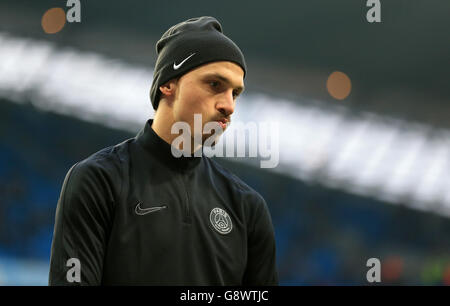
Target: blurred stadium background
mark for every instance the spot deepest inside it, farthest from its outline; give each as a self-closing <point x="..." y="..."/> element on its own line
<point x="361" y="176"/>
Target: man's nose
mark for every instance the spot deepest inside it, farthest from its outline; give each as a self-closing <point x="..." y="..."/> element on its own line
<point x="226" y="104"/>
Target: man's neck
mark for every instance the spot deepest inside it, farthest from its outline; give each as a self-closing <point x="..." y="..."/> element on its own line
<point x="162" y="125"/>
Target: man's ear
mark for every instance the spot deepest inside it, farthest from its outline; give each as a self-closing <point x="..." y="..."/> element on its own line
<point x="168" y="88"/>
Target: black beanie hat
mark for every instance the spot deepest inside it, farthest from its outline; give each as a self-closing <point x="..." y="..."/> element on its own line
<point x="189" y="44"/>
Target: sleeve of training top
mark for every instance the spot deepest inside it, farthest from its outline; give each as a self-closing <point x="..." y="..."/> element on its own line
<point x="82" y="225"/>
<point x="261" y="263"/>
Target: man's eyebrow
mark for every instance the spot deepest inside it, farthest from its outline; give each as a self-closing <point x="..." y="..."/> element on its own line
<point x="224" y="79"/>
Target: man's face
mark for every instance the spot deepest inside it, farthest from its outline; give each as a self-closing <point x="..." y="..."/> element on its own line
<point x="210" y="90"/>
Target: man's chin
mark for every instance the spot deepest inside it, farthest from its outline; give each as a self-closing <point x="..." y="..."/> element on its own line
<point x="210" y="140"/>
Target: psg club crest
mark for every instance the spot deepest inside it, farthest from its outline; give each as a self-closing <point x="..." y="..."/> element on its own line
<point x="221" y="221"/>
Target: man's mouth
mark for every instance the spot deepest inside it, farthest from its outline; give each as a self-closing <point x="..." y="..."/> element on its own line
<point x="223" y="123"/>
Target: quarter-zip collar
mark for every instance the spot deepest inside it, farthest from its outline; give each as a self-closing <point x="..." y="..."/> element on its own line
<point x="162" y="150"/>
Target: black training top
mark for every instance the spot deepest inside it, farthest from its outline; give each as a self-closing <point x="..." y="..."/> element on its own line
<point x="134" y="214"/>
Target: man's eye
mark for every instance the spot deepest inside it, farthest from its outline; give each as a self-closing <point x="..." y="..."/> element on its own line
<point x="214" y="83"/>
<point x="235" y="94"/>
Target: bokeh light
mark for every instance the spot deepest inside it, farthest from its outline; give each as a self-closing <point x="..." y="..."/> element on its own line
<point x="339" y="85"/>
<point x="53" y="20"/>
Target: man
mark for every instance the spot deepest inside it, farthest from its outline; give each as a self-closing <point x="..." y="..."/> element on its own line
<point x="136" y="214"/>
